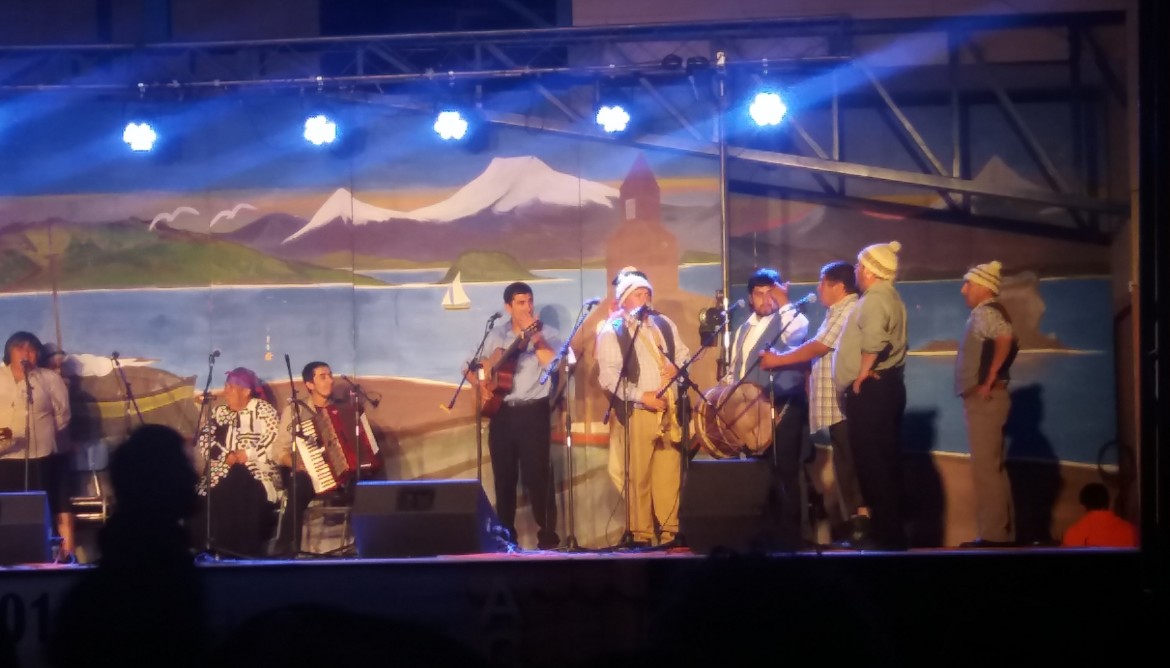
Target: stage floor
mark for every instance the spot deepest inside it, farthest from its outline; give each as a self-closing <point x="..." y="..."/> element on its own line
<point x="936" y="606"/>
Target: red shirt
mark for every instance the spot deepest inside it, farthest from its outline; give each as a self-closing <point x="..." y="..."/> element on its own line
<point x="1101" y="528"/>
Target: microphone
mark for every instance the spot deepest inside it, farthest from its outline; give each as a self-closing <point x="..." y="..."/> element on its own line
<point x="804" y="301"/>
<point x="26" y="365"/>
<point x="592" y="302"/>
<point x="491" y="321"/>
<point x="737" y="304"/>
<point x="114" y="355"/>
<point x="642" y="311"/>
<point x="215" y="353"/>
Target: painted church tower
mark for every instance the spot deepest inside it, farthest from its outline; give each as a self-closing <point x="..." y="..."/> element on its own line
<point x="641" y="239"/>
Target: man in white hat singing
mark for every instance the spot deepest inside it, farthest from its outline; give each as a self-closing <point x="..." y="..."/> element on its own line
<point x="986" y="352"/>
<point x="867" y="370"/>
<point x="648" y="472"/>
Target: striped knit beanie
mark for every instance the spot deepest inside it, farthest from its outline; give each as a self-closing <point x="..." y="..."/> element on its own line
<point x="881" y="259"/>
<point x="986" y="275"/>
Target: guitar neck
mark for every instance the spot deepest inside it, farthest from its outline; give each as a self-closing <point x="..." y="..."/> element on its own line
<point x="506" y="356"/>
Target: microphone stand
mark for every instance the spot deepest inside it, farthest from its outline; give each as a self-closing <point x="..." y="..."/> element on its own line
<point x="756" y="362"/>
<point x="623" y="382"/>
<point x="129" y="392"/>
<point x="292" y="476"/>
<point x="564" y="400"/>
<point x="358" y="397"/>
<point x="203" y="406"/>
<point x="28" y="422"/>
<point x="476" y="367"/>
<point x="683" y="377"/>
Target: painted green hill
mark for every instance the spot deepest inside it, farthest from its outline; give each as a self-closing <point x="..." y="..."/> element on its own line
<point x="128" y="255"/>
<point x="487" y="266"/>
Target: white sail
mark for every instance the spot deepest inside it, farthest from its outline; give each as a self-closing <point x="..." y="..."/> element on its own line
<point x="455" y="298"/>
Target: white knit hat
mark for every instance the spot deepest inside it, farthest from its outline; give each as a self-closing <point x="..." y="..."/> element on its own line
<point x="986" y="275"/>
<point x="627" y="283"/>
<point x="881" y="259"/>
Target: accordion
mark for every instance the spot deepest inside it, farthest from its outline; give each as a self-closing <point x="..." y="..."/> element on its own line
<point x="325" y="463"/>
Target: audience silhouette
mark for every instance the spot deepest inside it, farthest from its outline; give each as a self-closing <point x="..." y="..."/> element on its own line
<point x="142" y="604"/>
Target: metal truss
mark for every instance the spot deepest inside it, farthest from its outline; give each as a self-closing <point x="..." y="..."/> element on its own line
<point x="683" y="75"/>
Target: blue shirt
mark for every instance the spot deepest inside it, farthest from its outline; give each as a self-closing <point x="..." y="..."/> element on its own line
<point x="526" y="381"/>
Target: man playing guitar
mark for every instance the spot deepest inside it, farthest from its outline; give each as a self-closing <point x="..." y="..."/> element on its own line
<point x="518" y="405"/>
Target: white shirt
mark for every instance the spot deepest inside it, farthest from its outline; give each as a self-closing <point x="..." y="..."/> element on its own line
<point x="50" y="414"/>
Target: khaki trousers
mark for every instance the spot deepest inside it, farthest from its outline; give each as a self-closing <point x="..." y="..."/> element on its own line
<point x="993" y="492"/>
<point x="654" y="475"/>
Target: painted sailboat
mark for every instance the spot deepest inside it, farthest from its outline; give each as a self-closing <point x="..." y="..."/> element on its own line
<point x="455" y="298"/>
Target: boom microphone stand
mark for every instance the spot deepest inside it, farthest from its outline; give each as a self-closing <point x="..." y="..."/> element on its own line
<point x="566" y="413"/>
<point x="129" y="392"/>
<point x="476" y="366"/>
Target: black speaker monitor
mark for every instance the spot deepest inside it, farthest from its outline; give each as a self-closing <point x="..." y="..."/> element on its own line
<point x="728" y="504"/>
<point x="420" y="518"/>
<point x="24" y="528"/>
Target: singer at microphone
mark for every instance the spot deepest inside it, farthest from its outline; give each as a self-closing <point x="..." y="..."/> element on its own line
<point x="776" y="322"/>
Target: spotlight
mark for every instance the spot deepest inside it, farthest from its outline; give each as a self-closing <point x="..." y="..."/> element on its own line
<point x="139" y="136"/>
<point x="672" y="61"/>
<point x="613" y="118"/>
<point x="767" y="108"/>
<point x="696" y="64"/>
<point x="320" y="130"/>
<point x="451" y="126"/>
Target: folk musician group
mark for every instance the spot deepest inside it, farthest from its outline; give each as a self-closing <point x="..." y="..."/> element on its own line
<point x="263" y="467"/>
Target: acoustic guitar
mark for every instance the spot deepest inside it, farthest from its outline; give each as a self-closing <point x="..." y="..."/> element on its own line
<point x="501" y="365"/>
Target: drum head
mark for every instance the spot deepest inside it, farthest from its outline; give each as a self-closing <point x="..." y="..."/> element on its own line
<point x="733" y="420"/>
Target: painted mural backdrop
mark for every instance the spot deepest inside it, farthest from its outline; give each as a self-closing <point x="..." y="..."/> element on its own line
<point x="387" y="264"/>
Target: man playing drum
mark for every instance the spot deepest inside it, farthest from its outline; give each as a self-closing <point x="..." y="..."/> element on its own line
<point x="776" y="323"/>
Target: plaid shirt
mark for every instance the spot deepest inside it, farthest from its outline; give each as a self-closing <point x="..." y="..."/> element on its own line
<point x="824" y="408"/>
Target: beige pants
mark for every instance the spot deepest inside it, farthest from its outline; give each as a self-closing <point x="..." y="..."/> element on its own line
<point x="993" y="491"/>
<point x="654" y="475"/>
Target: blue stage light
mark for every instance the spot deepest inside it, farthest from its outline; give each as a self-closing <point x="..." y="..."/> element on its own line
<point x="451" y="126"/>
<point x="768" y="108"/>
<point x="139" y="136"/>
<point x="320" y="130"/>
<point x="613" y="118"/>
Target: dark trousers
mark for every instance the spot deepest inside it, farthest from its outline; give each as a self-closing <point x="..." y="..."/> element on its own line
<point x="299" y="493"/>
<point x="786" y="457"/>
<point x="519" y="443"/>
<point x="874" y="419"/>
<point x="242" y="518"/>
<point x="845" y="470"/>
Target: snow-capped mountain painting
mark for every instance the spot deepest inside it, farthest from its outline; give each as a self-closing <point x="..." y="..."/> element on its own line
<point x="517" y="205"/>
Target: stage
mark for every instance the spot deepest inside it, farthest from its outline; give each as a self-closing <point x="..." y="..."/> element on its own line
<point x="929" y="606"/>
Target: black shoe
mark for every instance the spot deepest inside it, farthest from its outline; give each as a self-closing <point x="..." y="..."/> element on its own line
<point x="982" y="543"/>
<point x="549" y="544"/>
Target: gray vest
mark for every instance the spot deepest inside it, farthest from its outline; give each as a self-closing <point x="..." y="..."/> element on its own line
<point x="633" y="370"/>
<point x="974" y="358"/>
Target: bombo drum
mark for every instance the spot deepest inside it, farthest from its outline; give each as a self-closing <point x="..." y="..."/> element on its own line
<point x="733" y="420"/>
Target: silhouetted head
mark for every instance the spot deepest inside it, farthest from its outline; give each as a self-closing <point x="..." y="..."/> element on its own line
<point x="1094" y="496"/>
<point x="152" y="474"/>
